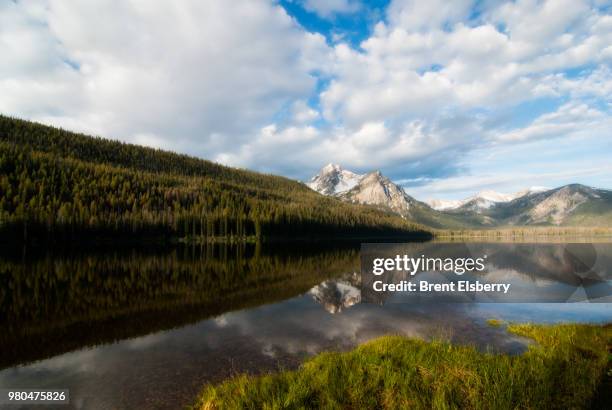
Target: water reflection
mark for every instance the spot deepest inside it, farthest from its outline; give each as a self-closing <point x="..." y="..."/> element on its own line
<point x="535" y="272"/>
<point x="50" y="304"/>
<point x="138" y="330"/>
<point x="338" y="294"/>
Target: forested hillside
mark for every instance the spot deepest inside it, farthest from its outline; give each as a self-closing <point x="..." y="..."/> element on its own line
<point x="56" y="184"/>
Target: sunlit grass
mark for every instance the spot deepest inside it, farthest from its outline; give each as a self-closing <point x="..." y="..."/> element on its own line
<point x="561" y="370"/>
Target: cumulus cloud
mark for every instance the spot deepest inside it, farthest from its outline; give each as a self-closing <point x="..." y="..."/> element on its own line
<point x="416" y="146"/>
<point x="436" y="60"/>
<point x="408" y="65"/>
<point x="193" y="76"/>
<point x="302" y="113"/>
<point x="594" y="84"/>
<point x="248" y="85"/>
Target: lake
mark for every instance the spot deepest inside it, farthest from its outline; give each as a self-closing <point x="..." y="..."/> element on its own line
<point x="148" y="327"/>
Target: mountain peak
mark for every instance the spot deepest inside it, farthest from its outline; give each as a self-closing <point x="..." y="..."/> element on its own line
<point x="578" y="187"/>
<point x="332" y="179"/>
<point x="372" y="188"/>
<point x="529" y="191"/>
<point x="493" y="196"/>
<point x="377" y="175"/>
<point x="483" y="199"/>
<point x="331" y="167"/>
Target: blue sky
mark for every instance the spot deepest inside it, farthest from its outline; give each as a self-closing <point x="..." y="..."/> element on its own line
<point x="447" y="98"/>
<point x="352" y="26"/>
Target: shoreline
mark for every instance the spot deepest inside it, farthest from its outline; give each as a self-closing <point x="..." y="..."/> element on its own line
<point x="567" y="366"/>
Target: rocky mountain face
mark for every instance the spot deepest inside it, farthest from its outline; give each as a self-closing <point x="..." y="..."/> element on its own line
<point x="560" y="204"/>
<point x="568" y="205"/>
<point x="575" y="204"/>
<point x="372" y="188"/>
<point x="376" y="189"/>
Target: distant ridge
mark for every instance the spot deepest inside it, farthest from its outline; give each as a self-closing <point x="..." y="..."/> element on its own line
<point x="482" y="200"/>
<point x="569" y="205"/>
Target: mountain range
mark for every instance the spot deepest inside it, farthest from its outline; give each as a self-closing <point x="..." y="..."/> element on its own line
<point x="569" y="205"/>
<point x="59" y="185"/>
<point x="481" y="200"/>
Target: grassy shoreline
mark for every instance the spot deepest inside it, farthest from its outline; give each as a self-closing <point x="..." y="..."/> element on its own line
<point x="518" y="233"/>
<point x="563" y="369"/>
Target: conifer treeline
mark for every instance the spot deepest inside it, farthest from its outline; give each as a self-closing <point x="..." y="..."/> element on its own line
<point x="57" y="184"/>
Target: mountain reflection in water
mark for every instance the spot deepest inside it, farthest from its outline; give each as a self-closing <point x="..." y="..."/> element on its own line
<point x="146" y="329"/>
<point x="338" y="294"/>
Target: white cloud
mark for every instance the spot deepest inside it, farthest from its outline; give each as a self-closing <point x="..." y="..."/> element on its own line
<point x="274" y="149"/>
<point x="465" y="185"/>
<point x="597" y="83"/>
<point x="201" y="76"/>
<point x="409" y="70"/>
<point x="566" y="121"/>
<point x="433" y="82"/>
<point x="431" y="61"/>
<point x="302" y="113"/>
<point x="541" y="22"/>
<point x="373" y="145"/>
<point x="329" y="8"/>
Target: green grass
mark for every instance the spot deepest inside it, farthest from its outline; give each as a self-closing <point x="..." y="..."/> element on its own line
<point x="561" y="370"/>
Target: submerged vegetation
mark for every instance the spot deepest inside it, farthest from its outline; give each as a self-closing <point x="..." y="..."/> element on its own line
<point x="56" y="184"/>
<point x="562" y="369"/>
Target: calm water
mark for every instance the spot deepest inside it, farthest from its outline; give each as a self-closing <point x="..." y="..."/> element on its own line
<point x="147" y="329"/>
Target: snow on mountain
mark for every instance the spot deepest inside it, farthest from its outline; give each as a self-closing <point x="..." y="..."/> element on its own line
<point x="566" y="205"/>
<point x="485" y="200"/>
<point x="570" y="204"/>
<point x="372" y="188"/>
<point x="482" y="200"/>
<point x="444" y="204"/>
<point x="493" y="196"/>
<point x="332" y="179"/>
